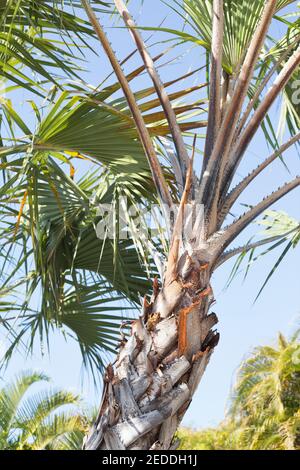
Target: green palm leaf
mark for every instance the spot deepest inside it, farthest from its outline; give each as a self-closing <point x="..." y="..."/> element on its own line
<point x="37" y="421"/>
<point x="39" y="36"/>
<point x="73" y="273"/>
<point x="11" y="397"/>
<point x="279" y="229"/>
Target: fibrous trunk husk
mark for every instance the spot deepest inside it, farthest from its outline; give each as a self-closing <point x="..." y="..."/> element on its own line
<point x="159" y="367"/>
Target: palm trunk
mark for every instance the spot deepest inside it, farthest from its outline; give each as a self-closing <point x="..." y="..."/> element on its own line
<point x="158" y="369"/>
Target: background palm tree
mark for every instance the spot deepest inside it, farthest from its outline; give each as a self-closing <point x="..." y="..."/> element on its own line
<point x="49" y="239"/>
<point x="265" y="404"/>
<point x="39" y="420"/>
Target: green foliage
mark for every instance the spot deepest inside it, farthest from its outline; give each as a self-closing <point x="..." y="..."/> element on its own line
<point x="240" y="18"/>
<point x="47" y="419"/>
<point x="279" y="229"/>
<point x="61" y="259"/>
<point x="40" y="38"/>
<point x="222" y="438"/>
<point x="264" y="411"/>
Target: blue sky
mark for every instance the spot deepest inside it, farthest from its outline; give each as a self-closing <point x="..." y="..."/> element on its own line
<point x="242" y="324"/>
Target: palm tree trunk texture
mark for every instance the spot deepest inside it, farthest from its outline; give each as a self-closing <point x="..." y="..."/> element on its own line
<point x="158" y="369"/>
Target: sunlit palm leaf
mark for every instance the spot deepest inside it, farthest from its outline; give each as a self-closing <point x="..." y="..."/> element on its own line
<point x="60" y="224"/>
<point x="36" y="421"/>
<point x="26" y="44"/>
<point x="280" y="229"/>
<point x="240" y="18"/>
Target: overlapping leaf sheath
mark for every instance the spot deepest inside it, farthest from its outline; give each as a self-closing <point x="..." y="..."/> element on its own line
<point x="159" y="368"/>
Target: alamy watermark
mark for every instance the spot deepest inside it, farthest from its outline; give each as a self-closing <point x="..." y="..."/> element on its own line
<point x="150" y="223"/>
<point x="296" y="93"/>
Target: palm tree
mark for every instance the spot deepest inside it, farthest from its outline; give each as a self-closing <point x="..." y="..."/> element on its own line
<point x="265" y="403"/>
<point x="266" y="398"/>
<point x="160" y="366"/>
<point x="39" y="420"/>
<point x="158" y="370"/>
